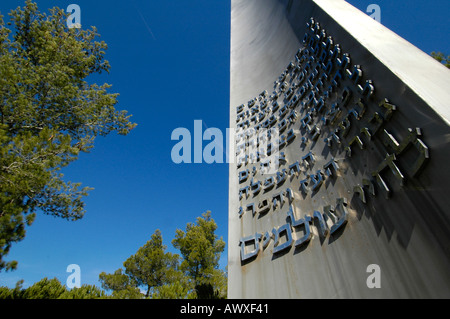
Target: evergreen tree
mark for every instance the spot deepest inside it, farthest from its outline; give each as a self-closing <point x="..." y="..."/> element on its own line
<point x="160" y="274"/>
<point x="49" y="113"/>
<point x="15" y="293"/>
<point x="51" y="289"/>
<point x="44" y="289"/>
<point x="151" y="268"/>
<point x="84" y="292"/>
<point x="200" y="248"/>
<point x="441" y="57"/>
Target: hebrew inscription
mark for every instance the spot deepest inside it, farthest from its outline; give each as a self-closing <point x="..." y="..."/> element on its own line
<point x="327" y="111"/>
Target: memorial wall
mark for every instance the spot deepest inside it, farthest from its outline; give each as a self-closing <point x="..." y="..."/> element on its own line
<point x="339" y="188"/>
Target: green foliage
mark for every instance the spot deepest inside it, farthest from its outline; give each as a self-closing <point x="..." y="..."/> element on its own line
<point x="44" y="289"/>
<point x="116" y="281"/>
<point x="49" y="113"/>
<point x="127" y="293"/>
<point x="122" y="286"/>
<point x="151" y="268"/>
<point x="441" y="57"/>
<point x="16" y="293"/>
<point x="51" y="289"/>
<point x="161" y="275"/>
<point x="84" y="292"/>
<point x="158" y="273"/>
<point x="201" y="250"/>
<point x="206" y="291"/>
<point x="174" y="290"/>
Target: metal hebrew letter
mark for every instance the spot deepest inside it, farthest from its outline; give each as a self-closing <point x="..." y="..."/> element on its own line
<point x="356" y="140"/>
<point x="367" y="132"/>
<point x="294" y="169"/>
<point x="255" y="187"/>
<point x="356" y="74"/>
<point x="335" y="52"/>
<point x="283" y="111"/>
<point x="308" y="160"/>
<point x="359" y="111"/>
<point x="304" y="184"/>
<point x="329" y="67"/>
<point x="323" y="228"/>
<point x="346" y="96"/>
<point x="243" y="191"/>
<point x="281" y="142"/>
<point x="331" y="164"/>
<point x="281" y="177"/>
<point x="377" y="121"/>
<point x="290" y="136"/>
<point x="275" y="106"/>
<point x="251" y="207"/>
<point x="360" y="190"/>
<point x="332" y="114"/>
<point x="382" y="184"/>
<point x="307" y="119"/>
<point x="264" y="167"/>
<point x="292" y="116"/>
<point x="307" y="236"/>
<point x="368" y="88"/>
<point x="390" y="108"/>
<point x="288" y="193"/>
<point x="314" y="131"/>
<point x="269" y="183"/>
<point x="243" y="175"/>
<point x="277" y="198"/>
<point x="243" y="160"/>
<point x="240" y="147"/>
<point x="318" y="106"/>
<point x="368" y="183"/>
<point x="411" y="140"/>
<point x="345" y="125"/>
<point x="341" y="220"/>
<point x="335" y="83"/>
<point x="266" y="239"/>
<point x="243" y="242"/>
<point x="344" y="61"/>
<point x="282" y="125"/>
<point x="264" y="206"/>
<point x="316" y="180"/>
<point x="388" y="162"/>
<point x="286" y="228"/>
<point x="297" y="223"/>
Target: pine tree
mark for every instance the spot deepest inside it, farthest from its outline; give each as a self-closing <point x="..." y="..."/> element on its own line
<point x="150" y="268"/>
<point x="49" y="113"/>
<point x="51" y="289"/>
<point x="441" y="57"/>
<point x="200" y="248"/>
<point x="161" y="276"/>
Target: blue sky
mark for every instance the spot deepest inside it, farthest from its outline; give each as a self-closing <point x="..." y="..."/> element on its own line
<point x="170" y="64"/>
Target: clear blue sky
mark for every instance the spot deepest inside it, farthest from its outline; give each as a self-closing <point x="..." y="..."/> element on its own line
<point x="170" y="64"/>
